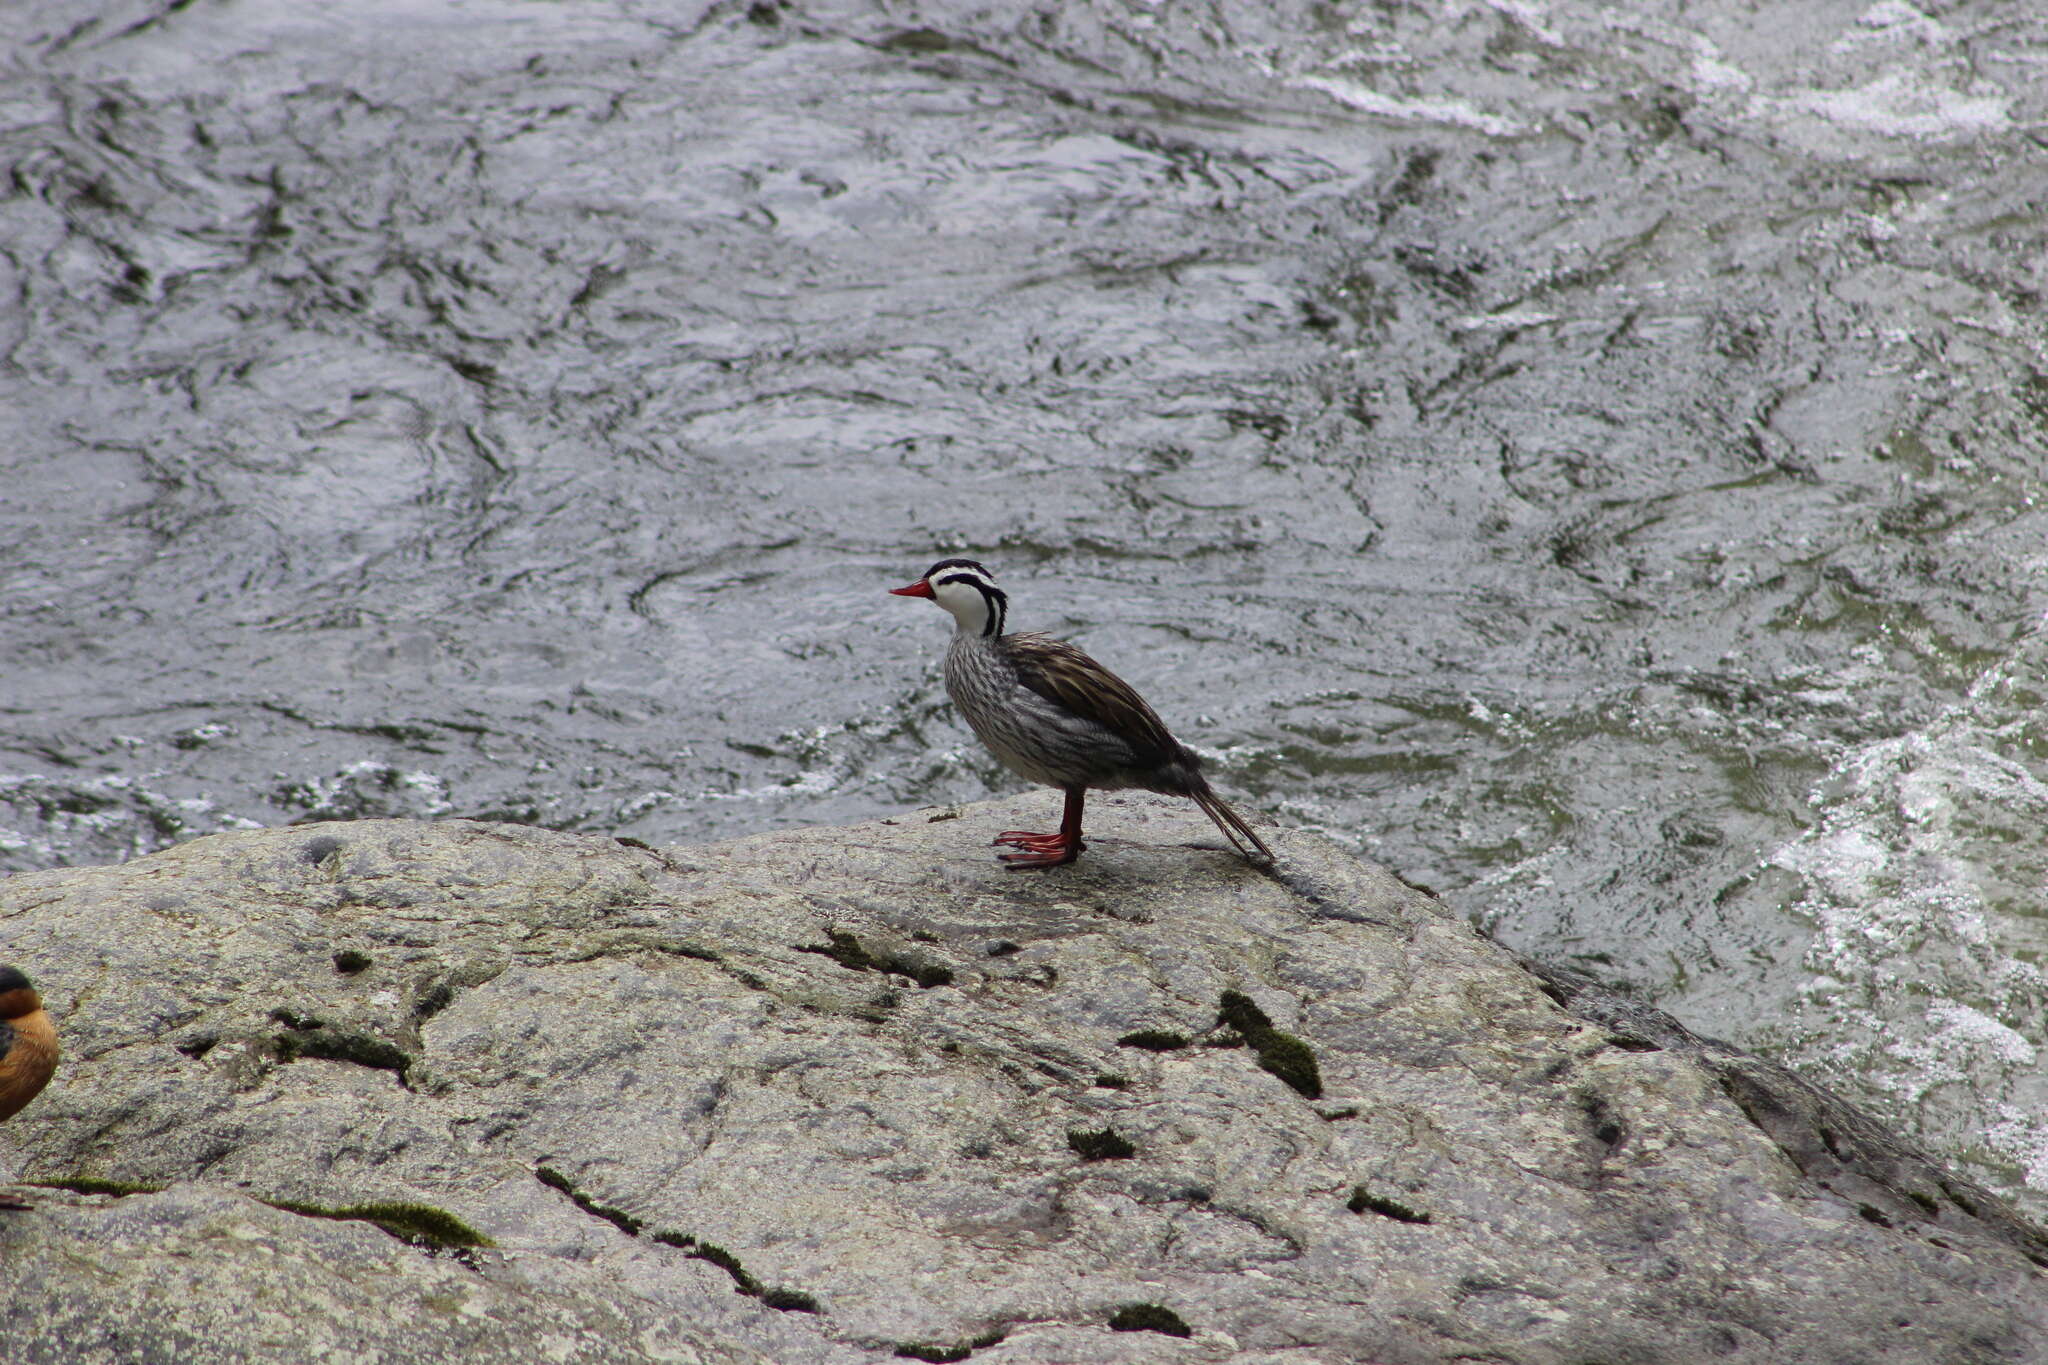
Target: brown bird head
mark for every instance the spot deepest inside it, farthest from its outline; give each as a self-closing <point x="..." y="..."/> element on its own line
<point x="28" y="1043"/>
<point x="17" y="997"/>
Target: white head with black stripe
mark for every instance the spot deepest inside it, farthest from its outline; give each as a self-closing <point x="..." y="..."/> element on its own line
<point x="966" y="589"/>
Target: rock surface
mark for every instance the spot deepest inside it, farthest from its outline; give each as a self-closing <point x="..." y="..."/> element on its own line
<point x="840" y="1095"/>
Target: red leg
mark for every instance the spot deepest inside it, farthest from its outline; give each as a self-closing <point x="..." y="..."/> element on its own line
<point x="1048" y="850"/>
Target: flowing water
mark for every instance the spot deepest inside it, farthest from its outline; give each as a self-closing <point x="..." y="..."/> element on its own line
<point x="1587" y="457"/>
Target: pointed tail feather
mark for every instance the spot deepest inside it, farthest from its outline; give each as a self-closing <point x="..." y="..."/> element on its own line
<point x="1233" y="826"/>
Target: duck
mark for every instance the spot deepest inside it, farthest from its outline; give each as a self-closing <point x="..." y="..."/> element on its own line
<point x="1053" y="715"/>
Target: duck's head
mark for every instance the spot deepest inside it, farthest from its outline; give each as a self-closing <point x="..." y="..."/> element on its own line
<point x="966" y="589"/>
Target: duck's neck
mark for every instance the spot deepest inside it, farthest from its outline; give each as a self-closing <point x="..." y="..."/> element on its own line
<point x="983" y="618"/>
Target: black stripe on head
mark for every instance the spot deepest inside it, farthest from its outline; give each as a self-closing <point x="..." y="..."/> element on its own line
<point x="13" y="979"/>
<point x="969" y="572"/>
<point x="935" y="570"/>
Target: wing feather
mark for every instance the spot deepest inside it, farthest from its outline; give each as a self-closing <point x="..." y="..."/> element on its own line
<point x="1066" y="676"/>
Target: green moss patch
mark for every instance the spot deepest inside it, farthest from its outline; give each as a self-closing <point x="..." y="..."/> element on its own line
<point x="433" y="1000"/>
<point x="1287" y="1057"/>
<point x="939" y="1355"/>
<point x="729" y="1263"/>
<point x="92" y="1184"/>
<point x="1101" y="1145"/>
<point x="356" y="1048"/>
<point x="1242" y="1013"/>
<point x="787" y="1300"/>
<point x="1363" y="1200"/>
<point x="306" y="1036"/>
<point x="1155" y="1040"/>
<point x="1281" y="1054"/>
<point x="847" y="951"/>
<point x="946" y="1355"/>
<point x="419" y="1224"/>
<point x="1149" y="1317"/>
<point x="618" y="1218"/>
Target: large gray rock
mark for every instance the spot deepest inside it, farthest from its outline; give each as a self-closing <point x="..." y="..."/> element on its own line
<point x="692" y="1095"/>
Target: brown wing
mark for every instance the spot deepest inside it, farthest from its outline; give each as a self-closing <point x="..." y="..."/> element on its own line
<point x="1067" y="677"/>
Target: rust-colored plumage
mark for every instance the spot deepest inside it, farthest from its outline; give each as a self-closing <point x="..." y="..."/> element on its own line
<point x="30" y="1042"/>
<point x="28" y="1050"/>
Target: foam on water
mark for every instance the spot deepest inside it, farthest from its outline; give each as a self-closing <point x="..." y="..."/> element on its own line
<point x="1454" y="113"/>
<point x="1923" y="881"/>
<point x="1892" y="74"/>
<point x="1898" y="104"/>
<point x="57" y="820"/>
